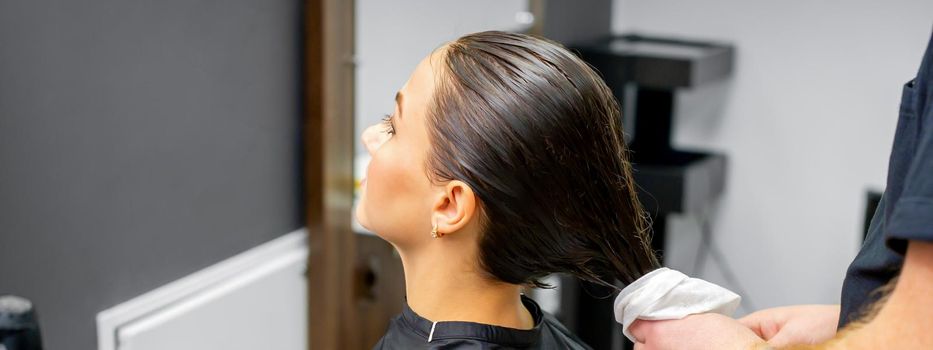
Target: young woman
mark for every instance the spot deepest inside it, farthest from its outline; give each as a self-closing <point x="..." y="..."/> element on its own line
<point x="502" y="163"/>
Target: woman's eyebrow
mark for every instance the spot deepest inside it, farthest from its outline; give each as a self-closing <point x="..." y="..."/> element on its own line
<point x="398" y="102"/>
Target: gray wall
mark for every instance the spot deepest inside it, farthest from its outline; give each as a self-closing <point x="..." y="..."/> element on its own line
<point x="139" y="142"/>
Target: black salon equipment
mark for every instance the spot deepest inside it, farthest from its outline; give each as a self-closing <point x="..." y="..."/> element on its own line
<point x="872" y="200"/>
<point x="19" y="326"/>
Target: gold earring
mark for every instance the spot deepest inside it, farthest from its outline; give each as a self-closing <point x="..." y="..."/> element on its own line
<point x="434" y="230"/>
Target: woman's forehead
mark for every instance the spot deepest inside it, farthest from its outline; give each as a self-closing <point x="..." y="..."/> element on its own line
<point x="419" y="88"/>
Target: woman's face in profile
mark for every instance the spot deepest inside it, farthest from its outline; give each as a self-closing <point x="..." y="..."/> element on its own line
<point x="396" y="194"/>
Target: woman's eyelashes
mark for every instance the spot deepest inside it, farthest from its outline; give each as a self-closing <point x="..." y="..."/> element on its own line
<point x="389" y="124"/>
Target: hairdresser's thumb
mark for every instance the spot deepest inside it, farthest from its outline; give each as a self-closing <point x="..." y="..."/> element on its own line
<point x="641" y="329"/>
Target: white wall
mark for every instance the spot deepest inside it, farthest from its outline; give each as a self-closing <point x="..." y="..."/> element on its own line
<point x="807" y="121"/>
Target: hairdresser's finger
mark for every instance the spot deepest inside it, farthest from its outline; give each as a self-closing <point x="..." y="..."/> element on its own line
<point x="640" y="329"/>
<point x="784" y="339"/>
<point x="763" y="323"/>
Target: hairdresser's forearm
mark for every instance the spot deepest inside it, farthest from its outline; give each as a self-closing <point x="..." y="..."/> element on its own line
<point x="905" y="321"/>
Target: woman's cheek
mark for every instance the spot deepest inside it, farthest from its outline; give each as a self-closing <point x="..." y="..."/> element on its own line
<point x="393" y="198"/>
<point x="378" y="191"/>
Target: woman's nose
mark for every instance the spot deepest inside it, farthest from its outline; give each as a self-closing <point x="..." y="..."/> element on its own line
<point x="374" y="137"/>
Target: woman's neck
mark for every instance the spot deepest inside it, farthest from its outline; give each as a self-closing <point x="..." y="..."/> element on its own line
<point x="442" y="284"/>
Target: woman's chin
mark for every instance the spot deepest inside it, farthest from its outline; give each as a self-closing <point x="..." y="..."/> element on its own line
<point x="360" y="216"/>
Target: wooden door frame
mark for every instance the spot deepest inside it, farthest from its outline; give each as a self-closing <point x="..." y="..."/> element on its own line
<point x="328" y="134"/>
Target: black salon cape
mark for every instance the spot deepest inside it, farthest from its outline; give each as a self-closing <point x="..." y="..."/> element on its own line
<point x="410" y="331"/>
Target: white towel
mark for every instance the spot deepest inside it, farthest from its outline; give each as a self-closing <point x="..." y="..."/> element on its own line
<point x="666" y="294"/>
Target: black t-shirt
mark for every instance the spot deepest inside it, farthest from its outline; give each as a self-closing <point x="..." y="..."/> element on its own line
<point x="905" y="212"/>
<point x="410" y="331"/>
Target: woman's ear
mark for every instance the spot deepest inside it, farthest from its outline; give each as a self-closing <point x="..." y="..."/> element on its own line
<point x="454" y="208"/>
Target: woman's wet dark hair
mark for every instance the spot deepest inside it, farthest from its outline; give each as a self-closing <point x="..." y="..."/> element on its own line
<point x="537" y="135"/>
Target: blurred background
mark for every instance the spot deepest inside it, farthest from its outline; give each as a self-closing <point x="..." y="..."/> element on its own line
<point x="164" y="165"/>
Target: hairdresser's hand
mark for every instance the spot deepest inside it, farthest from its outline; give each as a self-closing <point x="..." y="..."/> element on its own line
<point x="790" y="325"/>
<point x="703" y="331"/>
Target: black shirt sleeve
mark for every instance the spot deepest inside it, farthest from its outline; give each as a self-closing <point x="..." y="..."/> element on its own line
<point x="912" y="216"/>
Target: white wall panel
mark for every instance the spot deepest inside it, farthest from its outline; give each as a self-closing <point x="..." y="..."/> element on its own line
<point x="255" y="300"/>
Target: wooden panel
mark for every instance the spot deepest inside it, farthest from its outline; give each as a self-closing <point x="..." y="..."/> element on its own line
<point x="381" y="292"/>
<point x="328" y="135"/>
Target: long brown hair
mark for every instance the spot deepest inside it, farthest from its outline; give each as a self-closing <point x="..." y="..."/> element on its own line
<point x="537" y="135"/>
